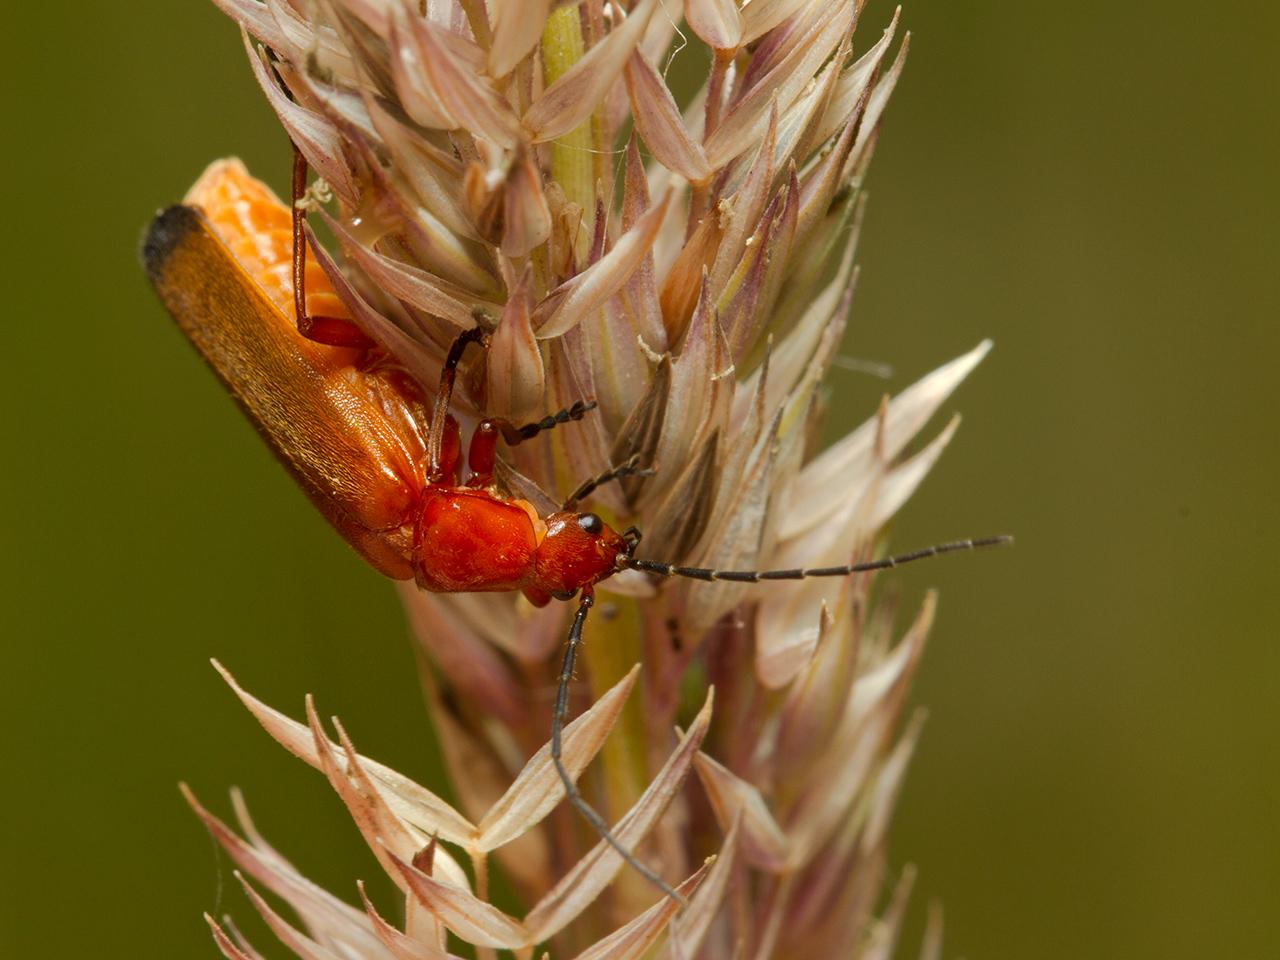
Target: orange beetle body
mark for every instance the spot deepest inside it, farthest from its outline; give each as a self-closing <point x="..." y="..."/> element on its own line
<point x="351" y="426"/>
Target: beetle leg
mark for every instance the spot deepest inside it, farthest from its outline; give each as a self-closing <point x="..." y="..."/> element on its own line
<point x="444" y="396"/>
<point x="483" y="452"/>
<point x="333" y="331"/>
<point x="586" y="601"/>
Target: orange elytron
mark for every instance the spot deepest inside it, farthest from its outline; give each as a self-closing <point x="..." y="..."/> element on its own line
<point x="380" y="459"/>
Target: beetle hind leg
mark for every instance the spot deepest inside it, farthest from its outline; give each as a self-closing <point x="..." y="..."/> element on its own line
<point x="329" y="330"/>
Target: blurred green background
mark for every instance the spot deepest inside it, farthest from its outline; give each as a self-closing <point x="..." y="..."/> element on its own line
<point x="1090" y="184"/>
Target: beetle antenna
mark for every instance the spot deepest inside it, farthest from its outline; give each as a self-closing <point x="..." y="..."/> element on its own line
<point x="585" y="604"/>
<point x="801" y="573"/>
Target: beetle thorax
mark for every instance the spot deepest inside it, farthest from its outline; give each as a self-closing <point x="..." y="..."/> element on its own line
<point x="467" y="540"/>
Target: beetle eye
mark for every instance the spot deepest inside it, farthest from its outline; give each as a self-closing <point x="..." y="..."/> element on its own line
<point x="591" y="524"/>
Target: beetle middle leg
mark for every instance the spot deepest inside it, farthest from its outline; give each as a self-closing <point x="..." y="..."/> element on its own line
<point x="482" y="452"/>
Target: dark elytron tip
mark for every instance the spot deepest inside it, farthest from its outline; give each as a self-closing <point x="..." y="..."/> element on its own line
<point x="164" y="234"/>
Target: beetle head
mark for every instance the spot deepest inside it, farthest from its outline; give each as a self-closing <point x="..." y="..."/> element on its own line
<point x="579" y="549"/>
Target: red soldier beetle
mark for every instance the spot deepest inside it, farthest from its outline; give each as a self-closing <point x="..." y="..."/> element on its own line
<point x="358" y="433"/>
